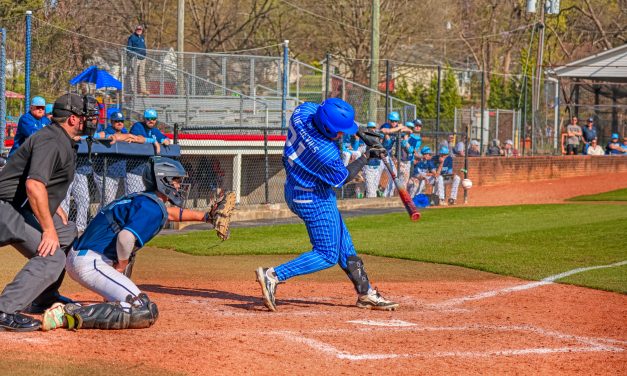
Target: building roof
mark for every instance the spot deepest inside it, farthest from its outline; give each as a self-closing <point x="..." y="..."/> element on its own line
<point x="608" y="66"/>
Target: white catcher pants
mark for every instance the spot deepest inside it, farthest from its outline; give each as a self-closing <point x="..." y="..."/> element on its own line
<point x="95" y="272"/>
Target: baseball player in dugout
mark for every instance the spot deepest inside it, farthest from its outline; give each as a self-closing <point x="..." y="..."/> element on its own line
<point x="32" y="186"/>
<point x="102" y="258"/>
<point x="314" y="167"/>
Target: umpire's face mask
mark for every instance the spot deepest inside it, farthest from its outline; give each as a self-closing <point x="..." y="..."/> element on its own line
<point x="90" y="112"/>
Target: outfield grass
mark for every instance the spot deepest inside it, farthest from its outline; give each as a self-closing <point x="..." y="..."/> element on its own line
<point x="530" y="241"/>
<point x="617" y="195"/>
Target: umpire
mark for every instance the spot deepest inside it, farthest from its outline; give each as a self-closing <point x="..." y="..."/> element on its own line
<point x="32" y="186"/>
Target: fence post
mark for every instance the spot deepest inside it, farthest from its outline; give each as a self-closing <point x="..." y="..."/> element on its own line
<point x="482" y="109"/>
<point x="224" y="76"/>
<point x="176" y="133"/>
<point x="104" y="181"/>
<point x="27" y="59"/>
<point x="327" y="86"/>
<point x="387" y="89"/>
<point x="241" y="111"/>
<point x="253" y="88"/>
<point x="496" y="129"/>
<point x="286" y="81"/>
<point x="437" y="112"/>
<point x="266" y="165"/>
<point x="3" y="86"/>
<point x="121" y="91"/>
<point x="186" y="105"/>
<point x="297" y="82"/>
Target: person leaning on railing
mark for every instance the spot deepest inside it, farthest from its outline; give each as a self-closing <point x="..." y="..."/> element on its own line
<point x="146" y="132"/>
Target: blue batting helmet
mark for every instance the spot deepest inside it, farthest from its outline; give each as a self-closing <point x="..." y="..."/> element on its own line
<point x="371" y="124"/>
<point x="150" y="114"/>
<point x="425" y="150"/>
<point x="116" y="116"/>
<point x="443" y="150"/>
<point x="333" y="116"/>
<point x="394" y="116"/>
<point x="409" y="124"/>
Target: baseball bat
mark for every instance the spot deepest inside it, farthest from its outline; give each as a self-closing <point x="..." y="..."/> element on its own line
<point x="413" y="212"/>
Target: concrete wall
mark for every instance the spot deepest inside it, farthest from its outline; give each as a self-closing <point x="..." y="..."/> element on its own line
<point x="487" y="171"/>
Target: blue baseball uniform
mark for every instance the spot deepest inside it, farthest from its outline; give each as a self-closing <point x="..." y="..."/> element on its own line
<point x="447" y="177"/>
<point x="314" y="167"/>
<point x="26" y="127"/>
<point x="93" y="254"/>
<point x="134" y="176"/>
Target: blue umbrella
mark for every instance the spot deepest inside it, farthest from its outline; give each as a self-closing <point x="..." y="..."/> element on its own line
<point x="100" y="77"/>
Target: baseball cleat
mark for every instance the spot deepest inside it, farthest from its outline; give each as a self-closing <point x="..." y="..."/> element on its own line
<point x="268" y="287"/>
<point x="374" y="300"/>
<point x="16" y="322"/>
<point x="451" y="201"/>
<point x="53" y="317"/>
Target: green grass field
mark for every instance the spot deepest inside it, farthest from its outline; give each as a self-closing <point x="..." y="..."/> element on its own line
<point x="529" y="241"/>
<point x="617" y="195"/>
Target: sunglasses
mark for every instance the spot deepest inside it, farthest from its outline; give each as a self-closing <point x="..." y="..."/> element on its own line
<point x="118" y="121"/>
<point x="151" y="119"/>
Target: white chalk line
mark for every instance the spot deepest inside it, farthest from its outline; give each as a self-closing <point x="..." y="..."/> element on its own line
<point x="590" y="344"/>
<point x="545" y="281"/>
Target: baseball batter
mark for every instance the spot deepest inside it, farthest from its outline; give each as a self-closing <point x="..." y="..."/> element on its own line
<point x="102" y="258"/>
<point x="314" y="167"/>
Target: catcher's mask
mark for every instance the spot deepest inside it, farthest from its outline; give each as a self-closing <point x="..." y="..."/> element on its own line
<point x="167" y="176"/>
<point x="91" y="112"/>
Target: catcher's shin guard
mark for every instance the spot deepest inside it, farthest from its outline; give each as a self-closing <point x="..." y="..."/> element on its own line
<point x="142" y="314"/>
<point x="357" y="274"/>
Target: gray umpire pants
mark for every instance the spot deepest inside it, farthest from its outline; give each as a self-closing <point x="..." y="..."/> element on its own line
<point x="40" y="279"/>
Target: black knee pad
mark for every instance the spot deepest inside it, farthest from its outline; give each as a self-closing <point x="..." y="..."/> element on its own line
<point x="357" y="274"/>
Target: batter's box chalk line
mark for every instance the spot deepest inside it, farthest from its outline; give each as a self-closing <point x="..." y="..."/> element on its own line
<point x="527" y="286"/>
<point x="588" y="344"/>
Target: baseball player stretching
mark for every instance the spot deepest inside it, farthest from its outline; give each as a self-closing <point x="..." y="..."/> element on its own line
<point x="314" y="167"/>
<point x="102" y="258"/>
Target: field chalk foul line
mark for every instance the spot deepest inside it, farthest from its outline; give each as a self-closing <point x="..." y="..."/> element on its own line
<point x="588" y="344"/>
<point x="545" y="281"/>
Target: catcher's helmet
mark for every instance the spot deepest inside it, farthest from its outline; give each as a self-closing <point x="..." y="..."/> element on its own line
<point x="394" y="116"/>
<point x="159" y="175"/>
<point x="333" y="116"/>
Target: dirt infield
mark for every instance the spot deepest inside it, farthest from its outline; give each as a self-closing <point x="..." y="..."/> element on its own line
<point x="451" y="321"/>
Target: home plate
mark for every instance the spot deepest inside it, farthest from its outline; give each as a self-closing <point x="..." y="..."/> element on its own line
<point x="397" y="323"/>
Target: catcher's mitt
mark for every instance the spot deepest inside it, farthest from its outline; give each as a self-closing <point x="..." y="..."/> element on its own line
<point x="220" y="214"/>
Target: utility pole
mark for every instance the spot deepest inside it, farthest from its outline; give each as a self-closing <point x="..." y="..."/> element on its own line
<point x="538" y="78"/>
<point x="374" y="62"/>
<point x="180" y="45"/>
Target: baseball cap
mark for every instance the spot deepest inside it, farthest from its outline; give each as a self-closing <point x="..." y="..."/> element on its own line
<point x="68" y="104"/>
<point x="615" y="135"/>
<point x="591" y="119"/>
<point x="444" y="150"/>
<point x="418" y="122"/>
<point x="38" y="102"/>
<point x="371" y="124"/>
<point x="509" y="142"/>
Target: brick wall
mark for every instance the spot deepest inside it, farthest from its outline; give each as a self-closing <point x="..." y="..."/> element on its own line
<point x="499" y="170"/>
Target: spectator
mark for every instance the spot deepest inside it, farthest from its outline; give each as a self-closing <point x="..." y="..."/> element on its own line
<point x="460" y="148"/>
<point x="509" y="150"/>
<point x="624" y="145"/>
<point x="423" y="173"/>
<point x="614" y="147"/>
<point x="589" y="132"/>
<point x="373" y="169"/>
<point x="474" y="151"/>
<point x="449" y="143"/>
<point x="495" y="149"/>
<point x="445" y="176"/>
<point x="148" y="133"/>
<point x="415" y="138"/>
<point x="30" y="123"/>
<point x="350" y="148"/>
<point x="594" y="148"/>
<point x="573" y="137"/>
<point x="136" y="52"/>
<point x="49" y="107"/>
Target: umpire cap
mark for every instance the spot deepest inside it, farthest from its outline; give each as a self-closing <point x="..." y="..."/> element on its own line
<point x="68" y="104"/>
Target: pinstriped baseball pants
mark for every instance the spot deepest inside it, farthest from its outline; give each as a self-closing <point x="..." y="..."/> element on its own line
<point x="330" y="239"/>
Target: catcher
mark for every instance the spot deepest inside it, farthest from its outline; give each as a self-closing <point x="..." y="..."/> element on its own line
<point x="102" y="258"/>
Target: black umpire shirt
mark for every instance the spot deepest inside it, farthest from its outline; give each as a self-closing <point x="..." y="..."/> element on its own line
<point x="48" y="156"/>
